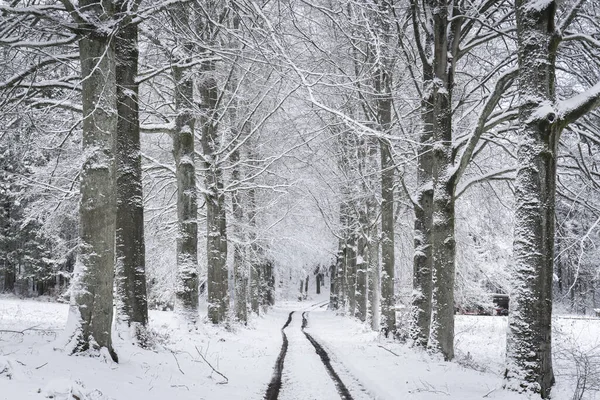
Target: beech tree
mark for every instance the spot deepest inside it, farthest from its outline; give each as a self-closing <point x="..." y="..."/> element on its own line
<point x="542" y="118"/>
<point x="443" y="36"/>
<point x="132" y="304"/>
<point x="183" y="152"/>
<point x="91" y="310"/>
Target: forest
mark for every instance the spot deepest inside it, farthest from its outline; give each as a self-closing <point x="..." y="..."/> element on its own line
<point x="227" y="165"/>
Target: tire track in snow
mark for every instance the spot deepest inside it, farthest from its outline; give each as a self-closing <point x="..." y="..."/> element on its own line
<point x="275" y="384"/>
<point x="339" y="385"/>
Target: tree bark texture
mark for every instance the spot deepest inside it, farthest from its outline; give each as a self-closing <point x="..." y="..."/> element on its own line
<point x="362" y="232"/>
<point x="240" y="274"/>
<point x="351" y="247"/>
<point x="382" y="82"/>
<point x="388" y="310"/>
<point x="132" y="306"/>
<point x="372" y="251"/>
<point x="254" y="256"/>
<point x="529" y="364"/>
<point x="442" y="237"/>
<point x="374" y="283"/>
<point x="423" y="259"/>
<point x="186" y="292"/>
<point x="91" y="309"/>
<point x="318" y="283"/>
<point x="187" y="203"/>
<point x="268" y="284"/>
<point x="333" y="298"/>
<point x="361" y="279"/>
<point x="216" y="221"/>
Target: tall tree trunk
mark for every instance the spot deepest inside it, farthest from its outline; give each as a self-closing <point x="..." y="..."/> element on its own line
<point x="254" y="268"/>
<point x="341" y="282"/>
<point x="333" y="297"/>
<point x="442" y="238"/>
<point x="255" y="279"/>
<point x="91" y="310"/>
<point x="132" y="306"/>
<point x="216" y="221"/>
<point x="361" y="277"/>
<point x="255" y="251"/>
<point x="423" y="259"/>
<point x="268" y="297"/>
<point x="351" y="247"/>
<point x="240" y="276"/>
<point x="318" y="283"/>
<point x="362" y="232"/>
<point x="335" y="292"/>
<point x="383" y="90"/>
<point x="529" y="364"/>
<point x="186" y="294"/>
<point x="388" y="310"/>
<point x="374" y="271"/>
<point x="372" y="251"/>
<point x="8" y="267"/>
<point x="187" y="205"/>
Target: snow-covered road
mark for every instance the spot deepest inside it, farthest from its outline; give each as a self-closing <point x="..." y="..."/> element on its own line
<point x="304" y="375"/>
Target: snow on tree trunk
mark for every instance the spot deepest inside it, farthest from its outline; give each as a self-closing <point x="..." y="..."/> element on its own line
<point x="333" y="299"/>
<point x="388" y="303"/>
<point x="351" y="273"/>
<point x="382" y="85"/>
<point x="529" y="356"/>
<point x="268" y="285"/>
<point x="216" y="221"/>
<point x="240" y="275"/>
<point x="254" y="269"/>
<point x="442" y="233"/>
<point x="373" y="267"/>
<point x="132" y="306"/>
<point x="362" y="235"/>
<point x="255" y="278"/>
<point x="91" y="310"/>
<point x="187" y="206"/>
<point x="342" y="257"/>
<point x="255" y="251"/>
<point x="423" y="259"/>
<point x="361" y="272"/>
<point x="445" y="41"/>
<point x="374" y="277"/>
<point x="335" y="292"/>
<point x="318" y="283"/>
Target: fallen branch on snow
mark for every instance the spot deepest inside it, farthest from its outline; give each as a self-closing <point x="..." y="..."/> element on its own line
<point x="397" y="355"/>
<point x="19" y="332"/>
<point x="177" y="361"/>
<point x="206" y="361"/>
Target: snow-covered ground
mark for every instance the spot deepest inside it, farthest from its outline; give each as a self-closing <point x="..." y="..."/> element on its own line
<point x="371" y="367"/>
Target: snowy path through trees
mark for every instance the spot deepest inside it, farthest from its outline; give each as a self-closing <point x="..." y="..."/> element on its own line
<point x="341" y="388"/>
<point x="304" y="376"/>
<point x="304" y="368"/>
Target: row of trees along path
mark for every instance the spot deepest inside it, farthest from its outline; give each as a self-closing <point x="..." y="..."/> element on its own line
<point x="399" y="92"/>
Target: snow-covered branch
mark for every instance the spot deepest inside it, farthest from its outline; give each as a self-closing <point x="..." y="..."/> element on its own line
<point x="503" y="83"/>
<point x="570" y="110"/>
